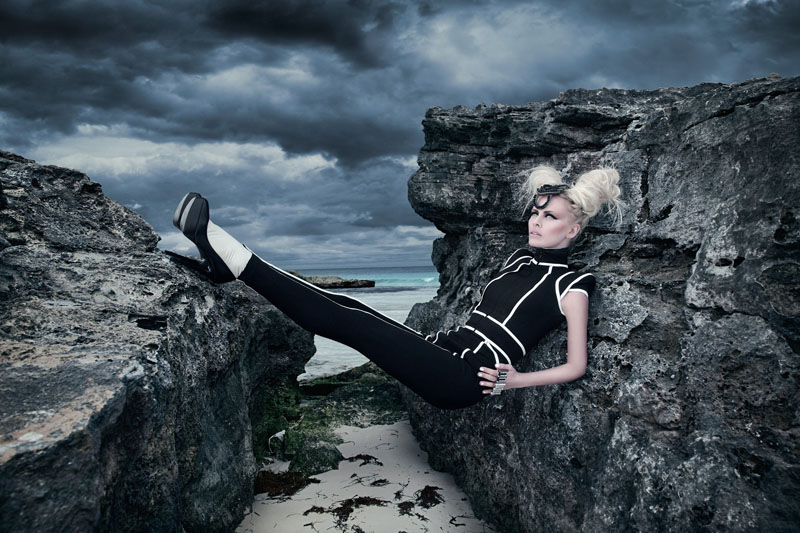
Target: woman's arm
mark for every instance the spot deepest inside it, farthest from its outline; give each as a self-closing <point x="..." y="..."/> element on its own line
<point x="576" y="310"/>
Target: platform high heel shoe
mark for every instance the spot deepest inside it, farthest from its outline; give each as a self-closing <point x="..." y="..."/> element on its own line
<point x="224" y="256"/>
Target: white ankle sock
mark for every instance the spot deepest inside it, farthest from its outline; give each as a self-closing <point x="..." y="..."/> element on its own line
<point x="233" y="253"/>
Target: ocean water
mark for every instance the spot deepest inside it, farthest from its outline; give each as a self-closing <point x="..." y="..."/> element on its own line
<point x="396" y="290"/>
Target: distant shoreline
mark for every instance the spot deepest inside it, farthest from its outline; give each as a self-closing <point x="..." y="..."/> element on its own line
<point x="334" y="270"/>
<point x="335" y="282"/>
<point x="385" y="278"/>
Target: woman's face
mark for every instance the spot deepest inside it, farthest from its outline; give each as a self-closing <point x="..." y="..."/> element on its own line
<point x="553" y="226"/>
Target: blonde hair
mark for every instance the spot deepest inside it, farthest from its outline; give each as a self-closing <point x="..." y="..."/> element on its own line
<point x="591" y="191"/>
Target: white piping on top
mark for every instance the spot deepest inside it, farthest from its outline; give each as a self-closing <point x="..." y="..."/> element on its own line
<point x="494" y="353"/>
<point x="510" y="333"/>
<point x="492" y="346"/>
<point x="569" y="289"/>
<point x="478" y="347"/>
<point x="555" y="287"/>
<point x="505" y="263"/>
<point x="548" y="264"/>
<point x="532" y="260"/>
<point x="519" y="302"/>
<point x="508" y="265"/>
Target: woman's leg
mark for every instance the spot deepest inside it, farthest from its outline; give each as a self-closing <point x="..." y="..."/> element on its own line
<point x="339" y="298"/>
<point x="439" y="377"/>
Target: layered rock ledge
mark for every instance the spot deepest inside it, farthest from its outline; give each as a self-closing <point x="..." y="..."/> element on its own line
<point x="687" y="419"/>
<point x="128" y="385"/>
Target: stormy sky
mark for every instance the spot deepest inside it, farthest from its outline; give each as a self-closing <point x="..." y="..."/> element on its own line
<point x="300" y="120"/>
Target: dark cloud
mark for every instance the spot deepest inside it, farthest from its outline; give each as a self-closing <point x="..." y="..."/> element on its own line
<point x="74" y="24"/>
<point x="355" y="30"/>
<point x="299" y="118"/>
<point x="164" y="98"/>
<point x="669" y="43"/>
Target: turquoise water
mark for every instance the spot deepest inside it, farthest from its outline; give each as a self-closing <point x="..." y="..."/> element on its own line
<point x="386" y="278"/>
<point x="396" y="290"/>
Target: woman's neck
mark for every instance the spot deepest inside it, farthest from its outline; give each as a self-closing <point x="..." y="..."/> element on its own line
<point x="551" y="255"/>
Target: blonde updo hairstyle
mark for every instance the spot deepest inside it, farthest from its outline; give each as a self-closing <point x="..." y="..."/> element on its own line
<point x="591" y="192"/>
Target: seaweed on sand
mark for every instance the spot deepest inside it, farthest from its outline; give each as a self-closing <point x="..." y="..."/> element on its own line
<point x="346" y="507"/>
<point x="281" y="483"/>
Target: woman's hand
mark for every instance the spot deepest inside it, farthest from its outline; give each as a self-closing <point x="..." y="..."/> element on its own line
<point x="576" y="309"/>
<point x="489" y="377"/>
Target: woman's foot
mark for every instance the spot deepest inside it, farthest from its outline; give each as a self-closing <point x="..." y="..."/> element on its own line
<point x="225" y="256"/>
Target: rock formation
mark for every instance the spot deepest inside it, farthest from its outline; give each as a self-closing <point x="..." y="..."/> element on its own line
<point x="688" y="416"/>
<point x="127" y="383"/>
<point x="335" y="282"/>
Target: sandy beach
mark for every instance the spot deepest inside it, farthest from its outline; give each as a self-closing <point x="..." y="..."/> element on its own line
<point x="384" y="484"/>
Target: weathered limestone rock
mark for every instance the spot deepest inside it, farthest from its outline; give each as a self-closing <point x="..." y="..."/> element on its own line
<point x="688" y="417"/>
<point x="125" y="380"/>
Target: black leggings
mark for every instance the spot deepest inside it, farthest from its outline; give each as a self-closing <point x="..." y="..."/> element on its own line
<point x="439" y="377"/>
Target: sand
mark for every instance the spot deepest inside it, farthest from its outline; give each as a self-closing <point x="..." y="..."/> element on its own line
<point x="394" y="491"/>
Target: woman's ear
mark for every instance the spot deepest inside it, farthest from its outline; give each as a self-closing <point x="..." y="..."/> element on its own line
<point x="574" y="230"/>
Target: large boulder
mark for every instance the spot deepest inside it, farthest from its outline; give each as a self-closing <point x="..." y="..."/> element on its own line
<point x="687" y="418"/>
<point x="126" y="381"/>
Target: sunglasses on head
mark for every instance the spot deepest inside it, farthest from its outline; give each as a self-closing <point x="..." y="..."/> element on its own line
<point x="548" y="191"/>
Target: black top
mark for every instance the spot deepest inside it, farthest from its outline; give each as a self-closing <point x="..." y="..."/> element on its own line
<point x="518" y="307"/>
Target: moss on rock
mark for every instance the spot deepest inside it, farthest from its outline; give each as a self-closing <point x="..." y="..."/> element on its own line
<point x="273" y="407"/>
<point x="362" y="397"/>
<point x="315" y="456"/>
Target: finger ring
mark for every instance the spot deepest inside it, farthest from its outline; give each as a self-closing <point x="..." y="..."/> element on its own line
<point x="500" y="384"/>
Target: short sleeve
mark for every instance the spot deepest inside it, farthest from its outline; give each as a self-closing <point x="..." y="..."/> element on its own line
<point x="575" y="282"/>
<point x="584" y="283"/>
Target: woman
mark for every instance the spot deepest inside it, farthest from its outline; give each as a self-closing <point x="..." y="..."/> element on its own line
<point x="532" y="294"/>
